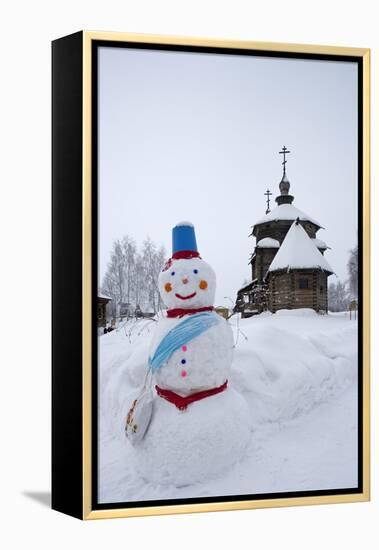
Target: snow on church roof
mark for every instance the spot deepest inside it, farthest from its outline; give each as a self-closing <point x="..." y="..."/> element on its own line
<point x="286" y="212"/>
<point x="319" y="243"/>
<point x="268" y="242"/>
<point x="299" y="252"/>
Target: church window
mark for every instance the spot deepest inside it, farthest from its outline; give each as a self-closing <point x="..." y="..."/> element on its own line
<point x="303" y="283"/>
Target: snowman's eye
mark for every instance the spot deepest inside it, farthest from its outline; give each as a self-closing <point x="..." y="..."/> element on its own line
<point x="172" y="273"/>
<point x="196" y="271"/>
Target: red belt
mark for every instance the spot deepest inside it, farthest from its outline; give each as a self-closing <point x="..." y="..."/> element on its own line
<point x="183" y="402"/>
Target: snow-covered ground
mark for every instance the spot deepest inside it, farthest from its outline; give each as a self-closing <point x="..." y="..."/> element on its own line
<point x="297" y="371"/>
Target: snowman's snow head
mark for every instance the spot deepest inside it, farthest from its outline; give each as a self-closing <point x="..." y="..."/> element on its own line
<point x="187" y="281"/>
<point x="188" y="284"/>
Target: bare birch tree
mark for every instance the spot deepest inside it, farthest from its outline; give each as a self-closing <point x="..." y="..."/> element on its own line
<point x="132" y="277"/>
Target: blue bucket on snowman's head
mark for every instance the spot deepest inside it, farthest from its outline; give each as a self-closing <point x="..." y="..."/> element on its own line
<point x="184" y="244"/>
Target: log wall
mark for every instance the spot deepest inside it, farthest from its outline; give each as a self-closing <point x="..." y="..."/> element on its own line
<point x="262" y="262"/>
<point x="285" y="291"/>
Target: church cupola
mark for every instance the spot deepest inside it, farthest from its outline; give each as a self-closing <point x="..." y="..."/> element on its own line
<point x="284" y="185"/>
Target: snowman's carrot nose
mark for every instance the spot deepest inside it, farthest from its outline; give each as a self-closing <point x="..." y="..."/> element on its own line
<point x="184" y="280"/>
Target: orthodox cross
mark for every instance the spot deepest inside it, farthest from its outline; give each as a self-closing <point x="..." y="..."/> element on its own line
<point x="284" y="152"/>
<point x="268" y="194"/>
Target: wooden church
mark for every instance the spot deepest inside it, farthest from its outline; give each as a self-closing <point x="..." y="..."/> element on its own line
<point x="289" y="270"/>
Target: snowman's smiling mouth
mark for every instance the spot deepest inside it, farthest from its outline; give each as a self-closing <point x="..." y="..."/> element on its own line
<point x="186" y="297"/>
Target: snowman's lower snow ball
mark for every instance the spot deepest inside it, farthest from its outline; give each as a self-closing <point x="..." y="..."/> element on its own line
<point x="200" y="425"/>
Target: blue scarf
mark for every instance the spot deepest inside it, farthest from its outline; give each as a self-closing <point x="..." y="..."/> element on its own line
<point x="184" y="332"/>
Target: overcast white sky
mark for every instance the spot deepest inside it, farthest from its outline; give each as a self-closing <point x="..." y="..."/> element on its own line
<point x="186" y="136"/>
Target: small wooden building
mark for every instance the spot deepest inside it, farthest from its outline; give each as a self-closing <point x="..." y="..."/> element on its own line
<point x="252" y="299"/>
<point x="102" y="301"/>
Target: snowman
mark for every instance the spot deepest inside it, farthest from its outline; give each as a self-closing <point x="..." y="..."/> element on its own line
<point x="200" y="425"/>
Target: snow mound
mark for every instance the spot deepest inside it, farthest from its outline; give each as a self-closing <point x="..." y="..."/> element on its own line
<point x="302" y="312"/>
<point x="292" y="361"/>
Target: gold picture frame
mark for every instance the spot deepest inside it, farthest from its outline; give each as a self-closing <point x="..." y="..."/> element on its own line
<point x="81" y="45"/>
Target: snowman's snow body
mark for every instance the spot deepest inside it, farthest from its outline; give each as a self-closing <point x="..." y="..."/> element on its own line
<point x="187" y="446"/>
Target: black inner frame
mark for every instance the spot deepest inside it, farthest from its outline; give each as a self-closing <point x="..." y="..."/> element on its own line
<point x="96" y="44"/>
